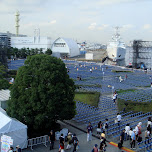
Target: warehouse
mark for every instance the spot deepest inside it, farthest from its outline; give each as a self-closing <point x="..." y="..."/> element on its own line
<point x="65" y="47"/>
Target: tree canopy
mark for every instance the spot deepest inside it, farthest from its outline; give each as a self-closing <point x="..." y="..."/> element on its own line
<point x="42" y="93"/>
<point x="4" y="84"/>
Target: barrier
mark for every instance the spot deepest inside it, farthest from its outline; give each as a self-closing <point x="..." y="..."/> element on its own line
<point x="37" y="141"/>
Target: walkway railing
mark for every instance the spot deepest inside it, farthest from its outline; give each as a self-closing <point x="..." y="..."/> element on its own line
<point x="37" y="141"/>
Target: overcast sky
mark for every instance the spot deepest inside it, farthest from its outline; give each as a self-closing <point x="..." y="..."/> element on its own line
<point x="90" y="20"/>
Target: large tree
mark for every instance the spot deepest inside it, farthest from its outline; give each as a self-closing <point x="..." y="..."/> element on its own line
<point x="42" y="93"/>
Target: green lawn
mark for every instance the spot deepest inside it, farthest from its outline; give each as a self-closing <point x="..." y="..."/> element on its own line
<point x="91" y="98"/>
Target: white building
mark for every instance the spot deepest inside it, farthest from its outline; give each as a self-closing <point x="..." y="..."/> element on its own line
<point x="43" y="43"/>
<point x="65" y="47"/>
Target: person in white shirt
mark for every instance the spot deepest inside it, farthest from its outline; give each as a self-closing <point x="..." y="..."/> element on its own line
<point x="136" y="133"/>
<point x="130" y="133"/>
<point x="118" y="118"/>
<point x="127" y="129"/>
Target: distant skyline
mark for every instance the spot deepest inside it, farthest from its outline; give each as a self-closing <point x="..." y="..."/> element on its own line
<point x="81" y="20"/>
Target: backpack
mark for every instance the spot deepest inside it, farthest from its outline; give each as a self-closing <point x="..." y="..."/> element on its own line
<point x="92" y="150"/>
<point x="119" y="145"/>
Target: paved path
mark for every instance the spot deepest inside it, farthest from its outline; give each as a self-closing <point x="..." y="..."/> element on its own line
<point x="84" y="145"/>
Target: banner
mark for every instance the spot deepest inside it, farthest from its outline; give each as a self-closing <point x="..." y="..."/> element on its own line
<point x="6" y="142"/>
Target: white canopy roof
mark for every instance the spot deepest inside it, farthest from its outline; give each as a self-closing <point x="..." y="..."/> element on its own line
<point x="8" y="124"/>
<point x="4" y="95"/>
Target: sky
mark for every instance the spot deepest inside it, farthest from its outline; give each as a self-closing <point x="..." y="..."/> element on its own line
<point x="81" y="20"/>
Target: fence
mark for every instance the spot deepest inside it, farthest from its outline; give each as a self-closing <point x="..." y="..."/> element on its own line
<point x="37" y="141"/>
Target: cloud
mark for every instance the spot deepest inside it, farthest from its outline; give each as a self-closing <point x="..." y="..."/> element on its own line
<point x="92" y="26"/>
<point x="53" y="22"/>
<point x="103" y="26"/>
<point x="127" y="26"/>
<point x="147" y="26"/>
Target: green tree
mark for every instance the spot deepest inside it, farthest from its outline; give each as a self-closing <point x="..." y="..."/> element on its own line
<point x="48" y="52"/>
<point x="42" y="93"/>
<point x="4" y="84"/>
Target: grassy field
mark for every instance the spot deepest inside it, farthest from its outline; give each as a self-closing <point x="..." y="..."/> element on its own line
<point x="134" y="106"/>
<point x="91" y="98"/>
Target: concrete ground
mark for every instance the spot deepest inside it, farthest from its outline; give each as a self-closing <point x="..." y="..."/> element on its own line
<point x="84" y="145"/>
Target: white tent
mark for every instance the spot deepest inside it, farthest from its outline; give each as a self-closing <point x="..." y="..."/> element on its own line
<point x="13" y="128"/>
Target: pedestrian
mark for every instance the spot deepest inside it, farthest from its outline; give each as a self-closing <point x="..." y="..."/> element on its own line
<point x="18" y="149"/>
<point x="103" y="138"/>
<point x="149" y="123"/>
<point x="90" y="70"/>
<point x="133" y="138"/>
<point x="130" y="133"/>
<point x="99" y="127"/>
<point x="102" y="147"/>
<point x="51" y="139"/>
<point x="106" y="125"/>
<point x="126" y="76"/>
<point x="127" y="129"/>
<point x="114" y="98"/>
<point x="139" y="128"/>
<point x="89" y="132"/>
<point x="118" y="118"/>
<point x="75" y="142"/>
<point x="11" y="149"/>
<point x="95" y="148"/>
<point x="147" y="135"/>
<point x="136" y="132"/>
<point x="61" y="143"/>
<point x="122" y="135"/>
<point x="69" y="142"/>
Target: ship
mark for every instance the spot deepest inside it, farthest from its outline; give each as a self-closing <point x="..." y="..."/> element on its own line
<point x="116" y="48"/>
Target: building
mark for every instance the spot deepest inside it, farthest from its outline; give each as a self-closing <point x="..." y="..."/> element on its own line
<point x="43" y="43"/>
<point x="65" y="47"/>
<point x="4" y="40"/>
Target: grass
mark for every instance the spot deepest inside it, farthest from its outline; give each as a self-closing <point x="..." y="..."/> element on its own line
<point x="90" y="98"/>
<point x="134" y="106"/>
<point x="122" y="91"/>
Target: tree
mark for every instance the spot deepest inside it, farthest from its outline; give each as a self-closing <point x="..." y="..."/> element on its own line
<point x="48" y="52"/>
<point x="4" y="84"/>
<point x="42" y="93"/>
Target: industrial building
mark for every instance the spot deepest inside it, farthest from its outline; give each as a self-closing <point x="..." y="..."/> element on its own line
<point x="43" y="43"/>
<point x="65" y="47"/>
<point x="4" y="40"/>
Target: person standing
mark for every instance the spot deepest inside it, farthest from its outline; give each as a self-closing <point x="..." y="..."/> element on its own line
<point x="133" y="138"/>
<point x="89" y="132"/>
<point x="114" y="98"/>
<point x="52" y="139"/>
<point x="122" y="135"/>
<point x="75" y="142"/>
<point x="18" y="149"/>
<point x="11" y="149"/>
<point x="127" y="129"/>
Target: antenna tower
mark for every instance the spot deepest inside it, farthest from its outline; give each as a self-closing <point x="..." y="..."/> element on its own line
<point x="17" y="19"/>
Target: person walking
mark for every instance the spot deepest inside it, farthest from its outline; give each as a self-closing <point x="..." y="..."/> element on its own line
<point x="51" y="139"/>
<point x="69" y="137"/>
<point x="75" y="142"/>
<point x="61" y="143"/>
<point x="99" y="127"/>
<point x="114" y="98"/>
<point x="89" y="132"/>
<point x="133" y="138"/>
<point x="147" y="135"/>
<point x="11" y="149"/>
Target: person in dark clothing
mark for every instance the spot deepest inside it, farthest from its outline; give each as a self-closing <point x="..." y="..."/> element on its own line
<point x="18" y="149"/>
<point x="75" y="142"/>
<point x="122" y="135"/>
<point x="52" y="139"/>
<point x="61" y="141"/>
